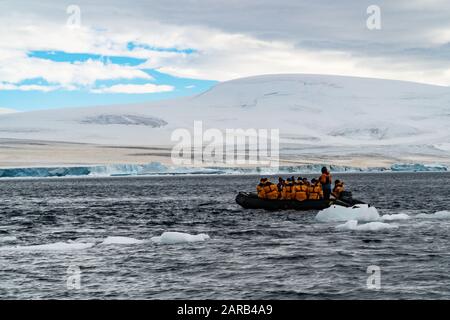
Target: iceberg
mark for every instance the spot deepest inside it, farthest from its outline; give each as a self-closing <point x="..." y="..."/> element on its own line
<point x="361" y="212"/>
<point x="179" y="237"/>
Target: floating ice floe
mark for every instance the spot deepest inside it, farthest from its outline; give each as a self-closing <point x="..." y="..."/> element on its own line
<point x="57" y="246"/>
<point x="392" y="217"/>
<point x="121" y="240"/>
<point x="88" y="240"/>
<point x="370" y="226"/>
<point x="437" y="215"/>
<point x="179" y="237"/>
<point x="362" y="212"/>
<point x="8" y="239"/>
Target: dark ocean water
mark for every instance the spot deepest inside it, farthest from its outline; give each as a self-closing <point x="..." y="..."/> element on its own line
<point x="252" y="254"/>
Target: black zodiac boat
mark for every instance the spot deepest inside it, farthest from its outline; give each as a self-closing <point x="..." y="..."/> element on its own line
<point x="251" y="201"/>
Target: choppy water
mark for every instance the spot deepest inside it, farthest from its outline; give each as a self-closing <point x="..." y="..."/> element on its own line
<point x="251" y="254"/>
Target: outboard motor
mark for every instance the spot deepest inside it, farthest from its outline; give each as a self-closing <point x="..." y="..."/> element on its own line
<point x="346" y="196"/>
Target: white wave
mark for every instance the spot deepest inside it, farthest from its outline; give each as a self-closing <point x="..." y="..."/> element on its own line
<point x="121" y="240"/>
<point x="338" y="213"/>
<point x="392" y="217"/>
<point x="179" y="237"/>
<point x="57" y="246"/>
<point x="437" y="215"/>
<point x="8" y="239"/>
<point x="370" y="226"/>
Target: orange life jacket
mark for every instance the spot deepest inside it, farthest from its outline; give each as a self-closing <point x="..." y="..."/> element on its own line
<point x="338" y="189"/>
<point x="325" y="178"/>
<point x="271" y="191"/>
<point x="260" y="191"/>
<point x="286" y="193"/>
<point x="315" y="192"/>
<point x="301" y="192"/>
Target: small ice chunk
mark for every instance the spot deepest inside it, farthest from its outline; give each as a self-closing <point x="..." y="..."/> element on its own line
<point x="392" y="217"/>
<point x="121" y="240"/>
<point x="370" y="226"/>
<point x="437" y="215"/>
<point x="57" y="246"/>
<point x="361" y="212"/>
<point x="8" y="239"/>
<point x="179" y="237"/>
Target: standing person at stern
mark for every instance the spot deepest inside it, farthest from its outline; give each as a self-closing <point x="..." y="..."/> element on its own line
<point x="326" y="181"/>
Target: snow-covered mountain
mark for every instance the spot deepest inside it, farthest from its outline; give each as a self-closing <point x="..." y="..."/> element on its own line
<point x="318" y="116"/>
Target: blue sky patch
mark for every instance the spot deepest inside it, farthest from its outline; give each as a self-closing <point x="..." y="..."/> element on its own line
<point x="36" y="100"/>
<point x="133" y="45"/>
<point x="61" y="56"/>
<point x="84" y="96"/>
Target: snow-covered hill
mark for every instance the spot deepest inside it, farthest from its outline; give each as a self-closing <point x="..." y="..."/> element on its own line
<point x="317" y="115"/>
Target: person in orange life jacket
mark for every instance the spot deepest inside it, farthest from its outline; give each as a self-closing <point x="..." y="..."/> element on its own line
<point x="338" y="189"/>
<point x="315" y="190"/>
<point x="280" y="184"/>
<point x="306" y="182"/>
<point x="326" y="181"/>
<point x="294" y="188"/>
<point x="270" y="190"/>
<point x="260" y="188"/>
<point x="300" y="192"/>
<point x="286" y="193"/>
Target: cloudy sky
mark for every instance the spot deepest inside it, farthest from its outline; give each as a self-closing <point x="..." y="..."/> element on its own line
<point x="78" y="53"/>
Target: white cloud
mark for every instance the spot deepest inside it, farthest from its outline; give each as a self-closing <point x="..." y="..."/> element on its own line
<point x="440" y="36"/>
<point x="228" y="43"/>
<point x="21" y="67"/>
<point x="29" y="87"/>
<point x="134" y="88"/>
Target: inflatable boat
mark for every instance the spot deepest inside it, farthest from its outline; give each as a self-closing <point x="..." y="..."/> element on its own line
<point x="251" y="201"/>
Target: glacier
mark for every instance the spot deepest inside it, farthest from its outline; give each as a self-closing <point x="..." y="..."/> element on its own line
<point x="417" y="167"/>
<point x="157" y="168"/>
